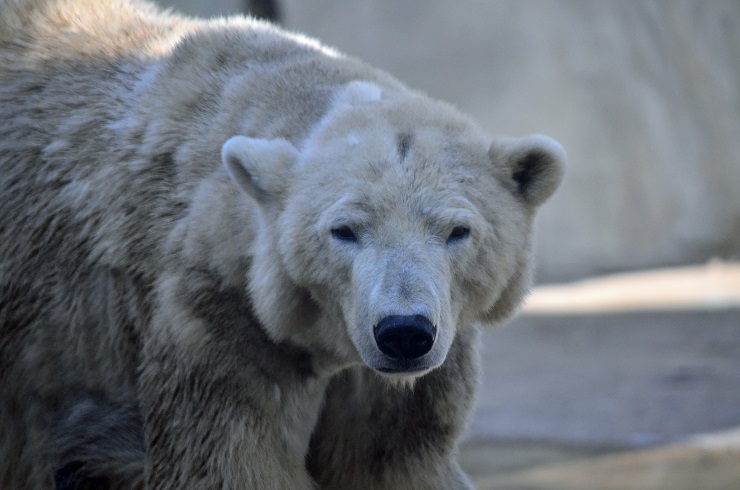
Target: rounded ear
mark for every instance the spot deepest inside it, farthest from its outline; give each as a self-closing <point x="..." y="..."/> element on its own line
<point x="358" y="92"/>
<point x="260" y="167"/>
<point x="532" y="166"/>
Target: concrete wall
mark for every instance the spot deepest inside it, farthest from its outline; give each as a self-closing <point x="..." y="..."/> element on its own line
<point x="644" y="95"/>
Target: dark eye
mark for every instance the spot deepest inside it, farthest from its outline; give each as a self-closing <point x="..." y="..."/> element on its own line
<point x="458" y="233"/>
<point x="344" y="233"/>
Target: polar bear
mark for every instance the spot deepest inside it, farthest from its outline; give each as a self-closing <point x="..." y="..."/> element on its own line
<point x="231" y="257"/>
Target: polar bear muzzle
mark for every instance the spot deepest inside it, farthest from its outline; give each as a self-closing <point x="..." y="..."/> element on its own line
<point x="405" y="337"/>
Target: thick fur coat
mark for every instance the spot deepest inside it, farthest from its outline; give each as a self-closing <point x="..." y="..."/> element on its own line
<point x="231" y="257"/>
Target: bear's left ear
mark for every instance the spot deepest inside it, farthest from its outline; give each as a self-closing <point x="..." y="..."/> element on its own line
<point x="532" y="166"/>
<point x="260" y="167"/>
<point x="357" y="93"/>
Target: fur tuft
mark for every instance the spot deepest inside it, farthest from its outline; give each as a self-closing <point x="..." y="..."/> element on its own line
<point x="100" y="444"/>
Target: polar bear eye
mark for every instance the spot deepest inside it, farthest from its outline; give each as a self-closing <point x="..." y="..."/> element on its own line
<point x="344" y="233"/>
<point x="458" y="233"/>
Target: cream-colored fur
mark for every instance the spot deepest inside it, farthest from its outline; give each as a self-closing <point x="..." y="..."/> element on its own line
<point x="201" y="226"/>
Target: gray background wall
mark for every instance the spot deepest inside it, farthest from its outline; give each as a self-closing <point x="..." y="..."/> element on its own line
<point x="644" y="95"/>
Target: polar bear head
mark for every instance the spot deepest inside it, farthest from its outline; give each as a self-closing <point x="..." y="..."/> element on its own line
<point x="395" y="224"/>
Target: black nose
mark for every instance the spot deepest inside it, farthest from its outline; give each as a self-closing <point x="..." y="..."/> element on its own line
<point x="404" y="337"/>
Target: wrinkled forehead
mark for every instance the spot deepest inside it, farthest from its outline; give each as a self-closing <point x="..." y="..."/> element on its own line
<point x="401" y="176"/>
<point x="403" y="144"/>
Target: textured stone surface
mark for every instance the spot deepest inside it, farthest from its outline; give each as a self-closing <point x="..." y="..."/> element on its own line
<point x="628" y="379"/>
<point x="680" y="467"/>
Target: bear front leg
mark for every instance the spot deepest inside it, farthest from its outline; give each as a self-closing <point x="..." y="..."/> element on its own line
<point x="224" y="406"/>
<point x="373" y="434"/>
<point x="209" y="427"/>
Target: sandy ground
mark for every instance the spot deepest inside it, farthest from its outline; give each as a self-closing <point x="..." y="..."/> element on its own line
<point x="675" y="467"/>
<point x="715" y="285"/>
<point x="629" y="381"/>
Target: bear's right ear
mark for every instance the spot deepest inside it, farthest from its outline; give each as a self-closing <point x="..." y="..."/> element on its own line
<point x="260" y="167"/>
<point x="357" y="93"/>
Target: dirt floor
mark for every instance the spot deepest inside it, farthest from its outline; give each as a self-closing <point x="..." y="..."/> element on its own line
<point x="547" y="467"/>
<point x="614" y="383"/>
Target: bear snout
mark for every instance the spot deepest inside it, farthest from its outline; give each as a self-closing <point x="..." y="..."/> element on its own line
<point x="405" y="337"/>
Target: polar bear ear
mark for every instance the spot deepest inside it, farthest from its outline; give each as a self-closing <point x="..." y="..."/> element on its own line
<point x="532" y="166"/>
<point x="358" y="92"/>
<point x="260" y="167"/>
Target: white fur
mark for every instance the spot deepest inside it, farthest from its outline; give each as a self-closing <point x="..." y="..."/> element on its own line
<point x="170" y="195"/>
<point x="359" y="92"/>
